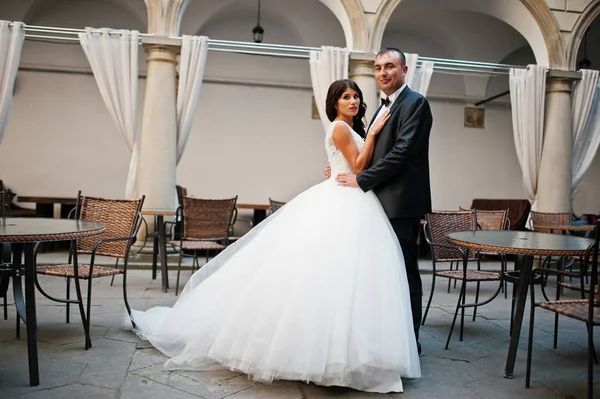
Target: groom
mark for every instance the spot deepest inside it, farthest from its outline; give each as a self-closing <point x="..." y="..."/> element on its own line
<point x="399" y="170"/>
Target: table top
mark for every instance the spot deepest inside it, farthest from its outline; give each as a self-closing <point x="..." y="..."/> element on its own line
<point x="48" y="200"/>
<point x="46" y="229"/>
<point x="569" y="227"/>
<point x="521" y="242"/>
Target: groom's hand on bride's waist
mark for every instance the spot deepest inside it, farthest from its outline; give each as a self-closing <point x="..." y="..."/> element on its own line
<point x="346" y="180"/>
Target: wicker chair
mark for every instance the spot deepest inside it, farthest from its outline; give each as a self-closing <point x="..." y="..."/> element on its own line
<point x="122" y="220"/>
<point x="539" y="219"/>
<point x="437" y="226"/>
<point x="551" y="218"/>
<point x="493" y="220"/>
<point x="274" y="206"/>
<point x="206" y="227"/>
<point x="490" y="220"/>
<point x="585" y="310"/>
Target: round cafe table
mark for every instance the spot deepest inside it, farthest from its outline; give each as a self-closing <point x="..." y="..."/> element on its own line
<point x="526" y="245"/>
<point x="23" y="234"/>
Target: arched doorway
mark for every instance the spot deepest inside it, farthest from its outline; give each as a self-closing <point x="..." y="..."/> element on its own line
<point x="254" y="123"/>
<point x="479" y="158"/>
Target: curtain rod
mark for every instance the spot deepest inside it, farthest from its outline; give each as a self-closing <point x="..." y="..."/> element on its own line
<point x="276" y="50"/>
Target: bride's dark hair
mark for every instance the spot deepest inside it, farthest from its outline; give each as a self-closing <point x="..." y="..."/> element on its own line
<point x="334" y="93"/>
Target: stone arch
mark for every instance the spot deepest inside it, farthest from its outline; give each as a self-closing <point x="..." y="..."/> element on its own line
<point x="552" y="54"/>
<point x="38" y="7"/>
<point x="586" y="19"/>
<point x="223" y="16"/>
<point x="550" y="30"/>
<point x="197" y="20"/>
<point x="352" y="18"/>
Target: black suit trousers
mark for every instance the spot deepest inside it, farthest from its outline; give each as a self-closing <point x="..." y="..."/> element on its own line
<point x="407" y="231"/>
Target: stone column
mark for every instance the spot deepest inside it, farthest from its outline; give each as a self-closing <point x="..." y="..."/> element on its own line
<point x="158" y="138"/>
<point x="555" y="174"/>
<point x="361" y="71"/>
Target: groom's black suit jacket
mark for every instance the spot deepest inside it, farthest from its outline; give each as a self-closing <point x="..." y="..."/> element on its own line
<point x="399" y="170"/>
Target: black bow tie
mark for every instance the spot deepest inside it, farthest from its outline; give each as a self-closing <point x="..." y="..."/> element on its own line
<point x="385" y="102"/>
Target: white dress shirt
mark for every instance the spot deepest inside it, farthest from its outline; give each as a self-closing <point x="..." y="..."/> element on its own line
<point x="392" y="98"/>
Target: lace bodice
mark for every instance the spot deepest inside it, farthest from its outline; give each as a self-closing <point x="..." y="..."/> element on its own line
<point x="335" y="157"/>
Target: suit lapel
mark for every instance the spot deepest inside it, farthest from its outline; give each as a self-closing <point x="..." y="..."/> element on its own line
<point x="393" y="108"/>
<point x="399" y="100"/>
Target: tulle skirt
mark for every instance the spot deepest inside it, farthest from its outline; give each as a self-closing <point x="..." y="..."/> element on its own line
<point x="317" y="292"/>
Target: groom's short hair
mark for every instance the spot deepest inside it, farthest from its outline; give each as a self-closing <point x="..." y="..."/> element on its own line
<point x="393" y="50"/>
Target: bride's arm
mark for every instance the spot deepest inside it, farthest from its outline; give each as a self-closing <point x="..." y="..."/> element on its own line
<point x="342" y="137"/>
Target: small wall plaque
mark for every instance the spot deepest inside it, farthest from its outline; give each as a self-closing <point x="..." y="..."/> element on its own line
<point x="475" y="117"/>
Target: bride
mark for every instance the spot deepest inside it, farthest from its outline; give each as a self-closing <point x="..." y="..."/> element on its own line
<point x="317" y="292"/>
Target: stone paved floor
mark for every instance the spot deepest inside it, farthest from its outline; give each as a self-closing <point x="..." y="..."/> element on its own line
<point x="121" y="366"/>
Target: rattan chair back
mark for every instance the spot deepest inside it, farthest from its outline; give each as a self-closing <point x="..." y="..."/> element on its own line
<point x="550" y="219"/>
<point x="207" y="219"/>
<point x="275" y="205"/>
<point x="441" y="223"/>
<point x="120" y="218"/>
<point x="181" y="192"/>
<point x="492" y="220"/>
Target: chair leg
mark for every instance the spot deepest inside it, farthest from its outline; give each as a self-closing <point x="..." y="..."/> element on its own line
<point x="430" y="298"/>
<point x="476" y="300"/>
<point x="503" y="267"/>
<point x="88" y="338"/>
<point x="68" y="315"/>
<point x="530" y="341"/>
<point x="462" y="310"/>
<point x="450" y="280"/>
<point x="591" y="350"/>
<point x="81" y="309"/>
<point x="462" y="291"/>
<point x="555" y="331"/>
<point x="18" y="326"/>
<point x="178" y="272"/>
<point x="112" y="279"/>
<point x="594" y="351"/>
<point x="196" y="263"/>
<point x="127" y="307"/>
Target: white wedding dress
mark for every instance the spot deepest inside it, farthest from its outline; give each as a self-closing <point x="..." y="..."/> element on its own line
<point x="317" y="292"/>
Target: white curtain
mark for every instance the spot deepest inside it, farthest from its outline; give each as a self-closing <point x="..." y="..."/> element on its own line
<point x="528" y="99"/>
<point x="11" y="43"/>
<point x="411" y="74"/>
<point x="418" y="77"/>
<point x="191" y="72"/>
<point x="114" y="61"/>
<point x="423" y="77"/>
<point x="586" y="124"/>
<point x="327" y="66"/>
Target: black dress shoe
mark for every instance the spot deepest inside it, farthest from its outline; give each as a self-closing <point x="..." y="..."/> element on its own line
<point x="419" y="348"/>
